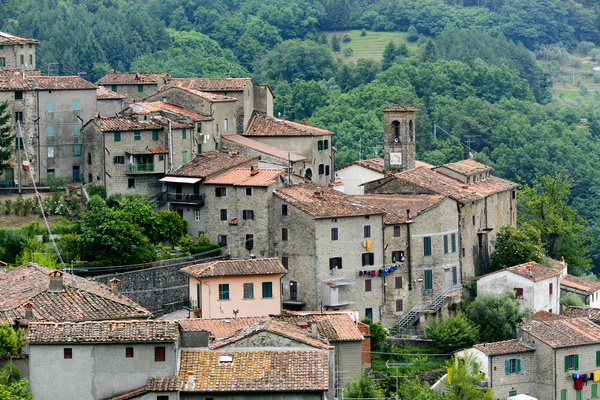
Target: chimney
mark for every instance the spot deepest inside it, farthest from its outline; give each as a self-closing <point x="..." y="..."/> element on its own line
<point x="114" y="285"/>
<point x="56" y="281"/>
<point x="253" y="170"/>
<point x="28" y="311"/>
<point x="530" y="271"/>
<point x="190" y="384"/>
<point x="313" y="330"/>
<point x="304" y="122"/>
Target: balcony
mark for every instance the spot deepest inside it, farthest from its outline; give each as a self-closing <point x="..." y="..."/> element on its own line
<point x="140" y="168"/>
<point x="191" y="304"/>
<point x="183" y="198"/>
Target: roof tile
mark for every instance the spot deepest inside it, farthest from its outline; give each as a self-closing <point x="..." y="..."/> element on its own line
<point x="505" y="347"/>
<point x="215" y="98"/>
<point x="575" y="282"/>
<point x="116" y="124"/>
<point x="258" y="266"/>
<point x="158" y="106"/>
<point x="262" y="125"/>
<point x="132" y="78"/>
<point x="530" y="270"/>
<point x="263" y="148"/>
<point x="396" y="205"/>
<point x="206" y="165"/>
<point x="564" y="332"/>
<point x="212" y="84"/>
<point x="7" y="38"/>
<point x="245" y="177"/>
<point x="103" y="93"/>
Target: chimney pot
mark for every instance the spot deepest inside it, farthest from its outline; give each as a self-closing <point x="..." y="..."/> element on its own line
<point x="28" y="311"/>
<point x="56" y="281"/>
<point x="114" y="285"/>
<point x="314" y="331"/>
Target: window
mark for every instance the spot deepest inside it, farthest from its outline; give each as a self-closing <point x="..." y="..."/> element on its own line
<point x="220" y="192"/>
<point x="140" y="88"/>
<point x="222" y="240"/>
<point x="399" y="305"/>
<point x="76" y="149"/>
<point x="223" y="291"/>
<point x="325" y="144"/>
<point x="473" y="220"/>
<point x="128" y="352"/>
<point x="334" y="233"/>
<point x="453" y="242"/>
<point x="225" y="124"/>
<point x="117" y="136"/>
<point x="513" y="366"/>
<point x="320" y="145"/>
<point x="22" y="59"/>
<point x="284" y="234"/>
<point x="160" y="353"/>
<point x="397" y="256"/>
<point x="572" y="362"/>
<point x="284" y="209"/>
<point x="50" y="151"/>
<point x="367" y="231"/>
<point x="137" y="135"/>
<point x="19" y="143"/>
<point x="3" y="62"/>
<point x="217" y="126"/>
<point x="223" y="214"/>
<point x="446" y="244"/>
<point x="367" y="285"/>
<point x="199" y="127"/>
<point x="76" y="105"/>
<point x="248" y="214"/>
<point x="19" y="116"/>
<point x="428" y="275"/>
<point x="321" y="169"/>
<point x="512" y="393"/>
<point x="131" y="185"/>
<point x="90" y="178"/>
<point x="335" y="263"/>
<point x="30" y="58"/>
<point x="285" y="262"/>
<point x="454" y="276"/>
<point x="563" y="394"/>
<point x="119" y="160"/>
<point x="18" y="95"/>
<point x="76" y="130"/>
<point x="49" y="174"/>
<point x="368" y="259"/>
<point x="427" y="246"/>
<point x="519" y="293"/>
<point x="67" y="353"/>
<point x="165" y="397"/>
<point x="113" y="88"/>
<point x="49" y="131"/>
<point x="199" y="148"/>
<point x="184" y="157"/>
<point x="184" y="134"/>
<point x="248" y="290"/>
<point x="49" y="106"/>
<point x="89" y="158"/>
<point x="249" y="241"/>
<point x="293" y="290"/>
<point x="550" y="289"/>
<point x="248" y="191"/>
<point x="369" y="313"/>
<point x="197" y="214"/>
<point x="398" y="282"/>
<point x="267" y="290"/>
<point x="397" y="231"/>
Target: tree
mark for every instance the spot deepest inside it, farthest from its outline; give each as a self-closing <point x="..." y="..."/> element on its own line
<point x="571" y="299"/>
<point x="10" y="341"/>
<point x="463" y="377"/>
<point x="496" y="316"/>
<point x="335" y="43"/>
<point x="363" y="388"/>
<point x="544" y="205"/>
<point x="377" y="331"/>
<point x="452" y="333"/>
<point x="6" y="137"/>
<point x="514" y="246"/>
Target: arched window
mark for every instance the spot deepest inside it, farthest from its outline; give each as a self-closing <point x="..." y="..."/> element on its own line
<point x="308" y="174"/>
<point x="396" y="127"/>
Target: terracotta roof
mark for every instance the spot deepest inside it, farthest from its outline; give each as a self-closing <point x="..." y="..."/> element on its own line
<point x="274" y="326"/>
<point x="103" y="331"/>
<point x="556" y="264"/>
<point x="131" y="395"/>
<point x="244" y="177"/>
<point x="587" y="312"/>
<point x="442" y="184"/>
<point x="7" y="38"/>
<point x="206" y="165"/>
<point x="324" y="202"/>
<point x="166" y="384"/>
<point x="116" y="124"/>
<point x="400" y="107"/>
<point x="12" y="79"/>
<point x="256" y="371"/>
<point x="262" y="125"/>
<point x="258" y="266"/>
<point x="218" y="327"/>
<point x="546" y="316"/>
<point x="212" y="84"/>
<point x="396" y="205"/>
<point x="421" y="164"/>
<point x="564" y="332"/>
<point x="88" y="300"/>
<point x="335" y="327"/>
<point x="530" y="270"/>
<point x="132" y="78"/>
<point x="103" y="93"/>
<point x="506" y="347"/>
<point x="61" y="83"/>
<point x="374" y="164"/>
<point x="263" y="148"/>
<point x="158" y="150"/>
<point x="174" y="124"/>
<point x="215" y="98"/>
<point x="158" y="106"/>
<point x="467" y="167"/>
<point x="583" y="284"/>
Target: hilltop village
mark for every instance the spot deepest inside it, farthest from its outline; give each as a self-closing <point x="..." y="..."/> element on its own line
<point x="307" y="250"/>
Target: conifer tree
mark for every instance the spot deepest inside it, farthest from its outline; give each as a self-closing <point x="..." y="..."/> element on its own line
<point x="6" y="137"/>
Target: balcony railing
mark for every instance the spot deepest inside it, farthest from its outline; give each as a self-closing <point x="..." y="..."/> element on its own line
<point x="192" y="304"/>
<point x="140" y="167"/>
<point x="184" y="198"/>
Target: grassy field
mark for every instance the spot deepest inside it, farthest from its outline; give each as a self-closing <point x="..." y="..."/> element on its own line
<point x="371" y="45"/>
<point x="576" y="80"/>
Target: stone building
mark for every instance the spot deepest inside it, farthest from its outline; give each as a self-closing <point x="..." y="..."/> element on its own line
<point x="302" y="139"/>
<point x="17" y="52"/>
<point x="399" y="137"/>
<point x="420" y="241"/>
<point x="109" y="103"/>
<point x="586" y="289"/>
<point x="332" y="245"/>
<point x="134" y="85"/>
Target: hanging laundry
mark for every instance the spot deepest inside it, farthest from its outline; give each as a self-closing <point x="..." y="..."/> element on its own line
<point x="569" y="377"/>
<point x="575" y="376"/>
<point x="584" y="378"/>
<point x="596" y="376"/>
<point x="578" y="384"/>
<point x="360" y="273"/>
<point x="372" y="273"/>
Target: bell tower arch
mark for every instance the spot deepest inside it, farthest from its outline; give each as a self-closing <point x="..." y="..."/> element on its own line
<point x="399" y="137"/>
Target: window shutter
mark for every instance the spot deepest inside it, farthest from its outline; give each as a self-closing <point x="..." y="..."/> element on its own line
<point x="566" y="363"/>
<point x="518" y="365"/>
<point x="507" y="362"/>
<point x="576" y="362"/>
<point x="594" y="390"/>
<point x="563" y="394"/>
<point x="598" y="359"/>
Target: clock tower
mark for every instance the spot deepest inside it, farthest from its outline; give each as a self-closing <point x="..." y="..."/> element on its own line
<point x="399" y="137"/>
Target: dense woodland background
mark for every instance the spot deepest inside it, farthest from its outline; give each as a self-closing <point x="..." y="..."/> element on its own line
<point x="492" y="72"/>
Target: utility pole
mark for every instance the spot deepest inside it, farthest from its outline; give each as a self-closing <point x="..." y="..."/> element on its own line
<point x="469" y="141"/>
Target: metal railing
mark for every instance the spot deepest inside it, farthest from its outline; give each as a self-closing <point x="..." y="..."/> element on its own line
<point x="183" y="197"/>
<point x="192" y="304"/>
<point x="140" y="167"/>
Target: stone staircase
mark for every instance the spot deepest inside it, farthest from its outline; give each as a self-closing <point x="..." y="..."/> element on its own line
<point x="425" y="307"/>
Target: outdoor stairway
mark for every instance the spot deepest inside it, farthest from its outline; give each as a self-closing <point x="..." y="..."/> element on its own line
<point x="423" y="308"/>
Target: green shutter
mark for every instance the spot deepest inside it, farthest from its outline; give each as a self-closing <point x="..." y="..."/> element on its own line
<point x="594" y="390"/>
<point x="454" y="276"/>
<point x="566" y="363"/>
<point x="428" y="279"/>
<point x="576" y="362"/>
<point x="563" y="394"/>
<point x="512" y="393"/>
<point x="445" y="244"/>
<point x="518" y="365"/>
<point x="507" y="362"/>
<point x="598" y="359"/>
<point x="578" y="394"/>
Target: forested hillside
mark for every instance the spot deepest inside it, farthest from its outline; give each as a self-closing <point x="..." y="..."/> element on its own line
<point x="470" y="69"/>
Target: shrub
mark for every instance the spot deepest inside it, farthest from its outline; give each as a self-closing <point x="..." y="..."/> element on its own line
<point x="571" y="299"/>
<point x="363" y="32"/>
<point x="585" y="47"/>
<point x="452" y="333"/>
<point x="7" y="206"/>
<point x="97" y="190"/>
<point x="348" y="51"/>
<point x="346" y="38"/>
<point x="56" y="182"/>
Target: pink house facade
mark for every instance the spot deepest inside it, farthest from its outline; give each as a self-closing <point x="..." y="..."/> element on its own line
<point x="235" y="288"/>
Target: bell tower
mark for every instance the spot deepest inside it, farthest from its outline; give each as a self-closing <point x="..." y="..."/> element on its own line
<point x="399" y="137"/>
